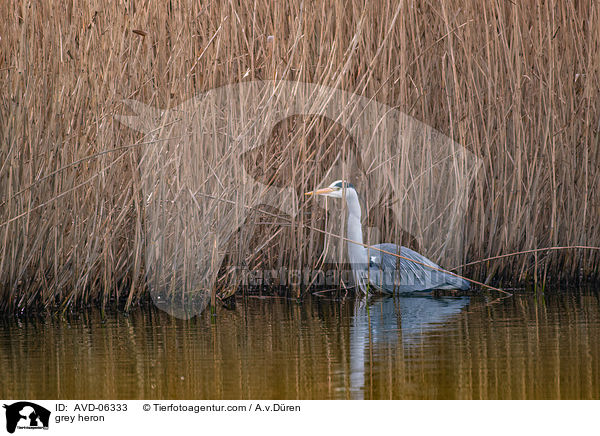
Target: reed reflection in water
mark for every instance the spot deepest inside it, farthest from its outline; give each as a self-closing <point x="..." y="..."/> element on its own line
<point x="524" y="347"/>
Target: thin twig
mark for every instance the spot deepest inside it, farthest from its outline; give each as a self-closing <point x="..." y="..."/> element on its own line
<point x="536" y="250"/>
<point x="508" y="294"/>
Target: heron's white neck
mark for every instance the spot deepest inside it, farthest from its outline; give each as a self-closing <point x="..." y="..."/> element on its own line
<point x="357" y="254"/>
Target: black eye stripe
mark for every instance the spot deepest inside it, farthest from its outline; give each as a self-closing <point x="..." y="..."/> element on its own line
<point x="339" y="185"/>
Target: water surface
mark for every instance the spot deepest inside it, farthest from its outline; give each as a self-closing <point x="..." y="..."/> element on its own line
<point x="272" y="348"/>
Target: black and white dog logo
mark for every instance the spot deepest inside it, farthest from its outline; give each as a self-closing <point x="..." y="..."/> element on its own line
<point x="26" y="415"/>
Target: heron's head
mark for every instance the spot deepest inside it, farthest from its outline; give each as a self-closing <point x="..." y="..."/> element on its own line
<point x="335" y="190"/>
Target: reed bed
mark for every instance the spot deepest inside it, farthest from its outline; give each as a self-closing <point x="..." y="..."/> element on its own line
<point x="516" y="84"/>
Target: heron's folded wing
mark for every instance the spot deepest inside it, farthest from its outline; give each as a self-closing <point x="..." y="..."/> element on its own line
<point x="415" y="274"/>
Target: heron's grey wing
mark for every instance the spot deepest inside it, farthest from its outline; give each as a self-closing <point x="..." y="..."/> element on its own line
<point x="420" y="275"/>
<point x="393" y="274"/>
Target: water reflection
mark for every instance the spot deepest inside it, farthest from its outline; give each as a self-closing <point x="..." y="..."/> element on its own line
<point x="531" y="347"/>
<point x="390" y="321"/>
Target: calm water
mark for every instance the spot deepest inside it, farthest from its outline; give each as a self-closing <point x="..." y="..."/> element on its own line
<point x="274" y="348"/>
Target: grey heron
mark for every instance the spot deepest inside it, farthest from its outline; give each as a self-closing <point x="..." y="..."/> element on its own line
<point x="378" y="267"/>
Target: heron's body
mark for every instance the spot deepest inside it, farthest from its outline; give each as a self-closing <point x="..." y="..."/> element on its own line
<point x="387" y="268"/>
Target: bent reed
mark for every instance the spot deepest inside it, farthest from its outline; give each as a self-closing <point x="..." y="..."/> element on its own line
<point x="518" y="85"/>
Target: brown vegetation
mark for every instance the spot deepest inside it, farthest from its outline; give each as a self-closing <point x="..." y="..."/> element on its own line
<point x="518" y="84"/>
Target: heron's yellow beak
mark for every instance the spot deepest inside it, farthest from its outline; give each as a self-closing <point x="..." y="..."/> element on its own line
<point x="319" y="191"/>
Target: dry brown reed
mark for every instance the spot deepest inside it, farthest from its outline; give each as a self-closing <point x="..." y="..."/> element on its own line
<point x="515" y="83"/>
